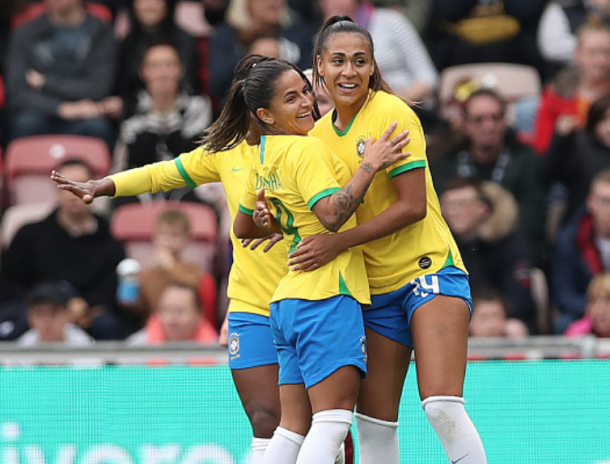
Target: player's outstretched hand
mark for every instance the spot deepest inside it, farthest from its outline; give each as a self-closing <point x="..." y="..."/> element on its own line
<point x="86" y="191"/>
<point x="314" y="252"/>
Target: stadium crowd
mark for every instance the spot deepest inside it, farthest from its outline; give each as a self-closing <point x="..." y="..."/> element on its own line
<point x="521" y="161"/>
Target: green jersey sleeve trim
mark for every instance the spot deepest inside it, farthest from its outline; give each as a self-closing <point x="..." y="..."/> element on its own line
<point x="323" y="194"/>
<point x="184" y="174"/>
<point x="245" y="210"/>
<point x="407" y="167"/>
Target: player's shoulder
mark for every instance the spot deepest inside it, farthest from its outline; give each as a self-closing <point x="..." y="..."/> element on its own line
<point x="392" y="108"/>
<point x="389" y="102"/>
<point x="302" y="143"/>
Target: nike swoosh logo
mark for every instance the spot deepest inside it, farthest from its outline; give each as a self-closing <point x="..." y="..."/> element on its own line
<point x="237" y="169"/>
<point x="458" y="460"/>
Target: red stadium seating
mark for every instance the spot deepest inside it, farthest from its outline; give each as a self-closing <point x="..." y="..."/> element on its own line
<point x="29" y="162"/>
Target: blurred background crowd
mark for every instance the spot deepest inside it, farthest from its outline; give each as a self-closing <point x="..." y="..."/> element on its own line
<point x="514" y="97"/>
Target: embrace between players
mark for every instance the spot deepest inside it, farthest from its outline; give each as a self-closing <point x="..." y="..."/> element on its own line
<point x="367" y="272"/>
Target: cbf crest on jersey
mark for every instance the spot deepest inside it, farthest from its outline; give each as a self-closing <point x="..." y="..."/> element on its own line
<point x="360" y="146"/>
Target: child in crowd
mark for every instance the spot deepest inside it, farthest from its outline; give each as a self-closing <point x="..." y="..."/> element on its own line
<point x="490" y="319"/>
<point x="172" y="235"/>
<point x="597" y="311"/>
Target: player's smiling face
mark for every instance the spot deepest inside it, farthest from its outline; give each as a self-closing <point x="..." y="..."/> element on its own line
<point x="347" y="66"/>
<point x="290" y="109"/>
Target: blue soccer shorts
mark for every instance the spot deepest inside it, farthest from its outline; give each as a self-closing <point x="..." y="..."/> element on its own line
<point x="316" y="338"/>
<point x="250" y="340"/>
<point x="390" y="313"/>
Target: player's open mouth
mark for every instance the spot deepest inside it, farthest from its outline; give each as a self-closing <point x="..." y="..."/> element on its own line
<point x="348" y="86"/>
<point x="304" y="115"/>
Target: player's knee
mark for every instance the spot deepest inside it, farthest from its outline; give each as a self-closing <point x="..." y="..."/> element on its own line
<point x="264" y="421"/>
<point x="444" y="412"/>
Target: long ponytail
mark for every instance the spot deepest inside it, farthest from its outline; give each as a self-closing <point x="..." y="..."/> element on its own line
<point x="231" y="127"/>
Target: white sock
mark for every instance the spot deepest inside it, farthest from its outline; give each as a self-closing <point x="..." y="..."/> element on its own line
<point x="328" y="430"/>
<point x="456" y="431"/>
<point x="283" y="448"/>
<point x="340" y="459"/>
<point x="259" y="445"/>
<point x="377" y="440"/>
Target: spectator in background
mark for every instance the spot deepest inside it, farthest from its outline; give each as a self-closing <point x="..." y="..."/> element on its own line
<point x="417" y="11"/>
<point x="153" y="21"/>
<point x="491" y="152"/>
<point x="399" y="51"/>
<point x="576" y="156"/>
<point x="178" y="318"/>
<point x="559" y="22"/>
<point x="168" y="121"/>
<point x="480" y="31"/>
<point x="74" y="245"/>
<point x="597" y="310"/>
<point x="483" y="218"/>
<point x="215" y="11"/>
<point x="576" y="87"/>
<point x="266" y="43"/>
<point x="582" y="251"/>
<point x="50" y="317"/>
<point x="171" y="236"/>
<point x="308" y="10"/>
<point x="245" y="19"/>
<point x="6" y="10"/>
<point x="490" y="317"/>
<point x="59" y="67"/>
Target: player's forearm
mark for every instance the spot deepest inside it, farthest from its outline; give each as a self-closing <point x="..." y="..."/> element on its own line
<point x="103" y="187"/>
<point x="244" y="227"/>
<point x="339" y="207"/>
<point x="396" y="217"/>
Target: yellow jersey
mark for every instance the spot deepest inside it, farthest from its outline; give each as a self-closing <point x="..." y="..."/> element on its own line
<point x="421" y="248"/>
<point x="297" y="172"/>
<point x="254" y="275"/>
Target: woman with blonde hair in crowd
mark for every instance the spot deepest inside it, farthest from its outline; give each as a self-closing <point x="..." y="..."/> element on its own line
<point x="597" y="312"/>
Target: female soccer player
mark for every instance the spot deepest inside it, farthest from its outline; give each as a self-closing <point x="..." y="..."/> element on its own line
<point x="419" y="287"/>
<point x="254" y="274"/>
<point x="316" y="317"/>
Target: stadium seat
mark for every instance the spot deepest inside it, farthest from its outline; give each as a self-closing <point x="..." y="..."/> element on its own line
<point x="511" y="81"/>
<point x="17" y="216"/>
<point x="29" y="162"/>
<point x="134" y="224"/>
